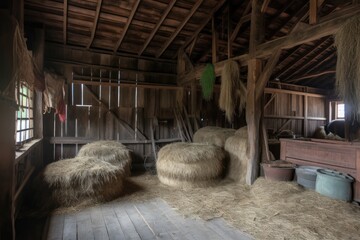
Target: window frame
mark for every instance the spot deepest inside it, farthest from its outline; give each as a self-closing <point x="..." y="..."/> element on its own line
<point x="24" y="119"/>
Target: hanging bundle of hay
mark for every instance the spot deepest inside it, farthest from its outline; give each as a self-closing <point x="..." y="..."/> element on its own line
<point x="207" y="81"/>
<point x="233" y="91"/>
<point x="190" y="164"/>
<point x="237" y="146"/>
<point x="347" y="42"/>
<point x="79" y="179"/>
<point x="110" y="152"/>
<point x="213" y="135"/>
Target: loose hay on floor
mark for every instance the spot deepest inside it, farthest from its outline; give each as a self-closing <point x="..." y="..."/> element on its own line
<point x="236" y="146"/>
<point x="213" y="135"/>
<point x="190" y="164"/>
<point x="266" y="210"/>
<point x="109" y="151"/>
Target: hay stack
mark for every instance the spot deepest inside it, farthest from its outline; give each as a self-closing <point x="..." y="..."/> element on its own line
<point x="236" y="146"/>
<point x="233" y="91"/>
<point x="75" y="180"/>
<point x="347" y="42"/>
<point x="213" y="135"/>
<point x="190" y="164"/>
<point x="109" y="151"/>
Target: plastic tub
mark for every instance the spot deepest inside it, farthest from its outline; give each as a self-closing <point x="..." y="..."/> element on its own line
<point x="306" y="176"/>
<point x="334" y="184"/>
<point x="278" y="172"/>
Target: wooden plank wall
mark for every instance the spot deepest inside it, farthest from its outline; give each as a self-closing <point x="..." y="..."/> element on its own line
<point x="302" y="118"/>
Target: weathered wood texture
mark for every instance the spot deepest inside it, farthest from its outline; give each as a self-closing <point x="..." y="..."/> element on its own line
<point x="337" y="155"/>
<point x="153" y="219"/>
<point x="285" y="107"/>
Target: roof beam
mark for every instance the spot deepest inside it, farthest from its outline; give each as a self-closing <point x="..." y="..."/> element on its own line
<point x="327" y="25"/>
<point x="168" y="9"/>
<point x="65" y="10"/>
<point x="132" y="14"/>
<point x="206" y="21"/>
<point x="174" y="35"/>
<point x="265" y="5"/>
<point x="97" y="14"/>
<point x="244" y="18"/>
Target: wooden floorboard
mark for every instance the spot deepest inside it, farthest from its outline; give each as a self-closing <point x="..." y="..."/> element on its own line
<point x="150" y="220"/>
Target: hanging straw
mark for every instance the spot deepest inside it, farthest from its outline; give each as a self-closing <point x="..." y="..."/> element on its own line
<point x="207" y="81"/>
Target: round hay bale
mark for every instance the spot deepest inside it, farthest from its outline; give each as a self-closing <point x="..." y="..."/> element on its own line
<point x="236" y="146"/>
<point x="320" y="133"/>
<point x="108" y="151"/>
<point x="190" y="164"/>
<point x="213" y="135"/>
<point x="79" y="179"/>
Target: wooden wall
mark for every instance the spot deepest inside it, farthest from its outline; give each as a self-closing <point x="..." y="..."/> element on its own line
<point x="299" y="112"/>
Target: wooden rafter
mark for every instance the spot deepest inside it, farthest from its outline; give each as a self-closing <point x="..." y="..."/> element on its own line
<point x="327" y="26"/>
<point x="191" y="49"/>
<point x="174" y="35"/>
<point x="97" y="14"/>
<point x="313" y="75"/>
<point x="156" y="28"/>
<point x="203" y="24"/>
<point x="132" y="14"/>
<point x="265" y="5"/>
<point x="317" y="65"/>
<point x="214" y="47"/>
<point x="313" y="12"/>
<point x="65" y="21"/>
<point x="244" y="18"/>
<point x="309" y="63"/>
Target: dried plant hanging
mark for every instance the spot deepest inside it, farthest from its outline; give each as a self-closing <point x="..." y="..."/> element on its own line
<point x="207" y="81"/>
<point x="347" y="41"/>
<point x="233" y="91"/>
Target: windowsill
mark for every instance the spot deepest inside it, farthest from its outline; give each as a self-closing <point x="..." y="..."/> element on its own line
<point x="26" y="149"/>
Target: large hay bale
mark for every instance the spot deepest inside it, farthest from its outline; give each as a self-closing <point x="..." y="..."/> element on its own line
<point x="213" y="135"/>
<point x="72" y="181"/>
<point x="108" y="151"/>
<point x="236" y="146"/>
<point x="190" y="164"/>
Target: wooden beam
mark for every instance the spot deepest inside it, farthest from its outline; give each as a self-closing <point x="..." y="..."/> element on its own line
<point x="93" y="31"/>
<point x="65" y="11"/>
<point x="266" y="73"/>
<point x="306" y="109"/>
<point x="214" y="41"/>
<point x="191" y="49"/>
<point x="313" y="12"/>
<point x="152" y="34"/>
<point x="177" y="31"/>
<point x="83" y="140"/>
<point x="229" y="43"/>
<point x="242" y="20"/>
<point x="313" y="75"/>
<point x="327" y="26"/>
<point x="132" y="14"/>
<point x="204" y="23"/>
<point x="265" y="5"/>
<point x="122" y="84"/>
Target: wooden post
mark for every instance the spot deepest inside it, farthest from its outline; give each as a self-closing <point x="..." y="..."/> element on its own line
<point x="7" y="128"/>
<point x="253" y="114"/>
<point x="306" y="122"/>
<point x="313" y="12"/>
<point x="229" y="31"/>
<point x="253" y="104"/>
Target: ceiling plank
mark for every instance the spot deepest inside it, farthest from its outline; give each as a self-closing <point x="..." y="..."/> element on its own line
<point x="168" y="9"/>
<point x="206" y="21"/>
<point x="174" y="35"/>
<point x="98" y="7"/>
<point x="132" y="14"/>
<point x="65" y="21"/>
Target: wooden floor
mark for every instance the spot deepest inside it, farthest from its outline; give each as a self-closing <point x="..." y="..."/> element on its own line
<point x="154" y="219"/>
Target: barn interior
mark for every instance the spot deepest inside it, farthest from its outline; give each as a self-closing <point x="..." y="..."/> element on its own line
<point x="147" y="78"/>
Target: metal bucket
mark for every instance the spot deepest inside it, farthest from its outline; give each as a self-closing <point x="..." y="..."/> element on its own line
<point x="306" y="176"/>
<point x="278" y="172"/>
<point x="334" y="184"/>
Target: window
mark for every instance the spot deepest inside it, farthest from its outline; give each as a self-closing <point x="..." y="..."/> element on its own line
<point x="340" y="110"/>
<point x="24" y="116"/>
